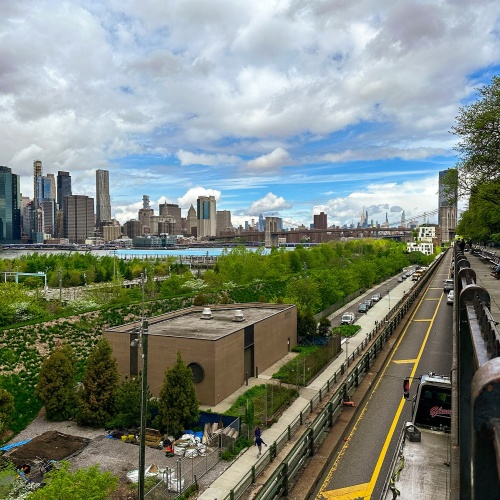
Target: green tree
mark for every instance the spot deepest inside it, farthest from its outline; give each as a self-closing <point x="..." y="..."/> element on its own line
<point x="324" y="327"/>
<point x="6" y="409"/>
<point x="304" y="292"/>
<point x="82" y="484"/>
<point x="97" y="396"/>
<point x="56" y="384"/>
<point x="306" y="324"/>
<point x="178" y="403"/>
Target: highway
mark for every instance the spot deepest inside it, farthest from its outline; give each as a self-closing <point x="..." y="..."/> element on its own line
<point x="361" y="465"/>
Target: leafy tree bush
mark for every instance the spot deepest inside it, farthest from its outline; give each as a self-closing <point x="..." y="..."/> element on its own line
<point x="306" y="324"/>
<point x="56" y="384"/>
<point x="82" y="484"/>
<point x="97" y="396"/>
<point x="6" y="409"/>
<point x="324" y="327"/>
<point x="177" y="404"/>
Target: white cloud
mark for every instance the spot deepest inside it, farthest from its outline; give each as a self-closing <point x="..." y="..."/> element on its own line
<point x="270" y="203"/>
<point x="192" y="195"/>
<point x="216" y="160"/>
<point x="270" y="162"/>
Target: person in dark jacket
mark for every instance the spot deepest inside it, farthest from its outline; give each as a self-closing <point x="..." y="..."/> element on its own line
<point x="259" y="442"/>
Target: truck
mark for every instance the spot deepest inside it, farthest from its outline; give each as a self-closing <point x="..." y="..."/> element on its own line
<point x="421" y="465"/>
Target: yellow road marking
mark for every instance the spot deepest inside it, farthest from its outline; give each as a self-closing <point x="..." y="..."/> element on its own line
<point x="360" y="491"/>
<point x="367" y="488"/>
<point x="433" y="299"/>
<point x="404" y="361"/>
<point x="422" y="320"/>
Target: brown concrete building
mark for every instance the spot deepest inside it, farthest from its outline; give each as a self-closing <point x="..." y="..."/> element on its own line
<point x="222" y="345"/>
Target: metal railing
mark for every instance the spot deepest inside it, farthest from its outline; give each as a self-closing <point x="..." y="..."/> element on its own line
<point x="476" y="389"/>
<point x="289" y="469"/>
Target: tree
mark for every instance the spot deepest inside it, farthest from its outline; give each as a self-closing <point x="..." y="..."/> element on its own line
<point x="306" y="324"/>
<point x="324" y="327"/>
<point x="96" y="398"/>
<point x="6" y="409"/>
<point x="82" y="484"/>
<point x="56" y="384"/>
<point x="478" y="127"/>
<point x="178" y="403"/>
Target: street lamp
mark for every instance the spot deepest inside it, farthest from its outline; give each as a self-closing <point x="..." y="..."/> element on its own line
<point x="346" y="350"/>
<point x="59" y="274"/>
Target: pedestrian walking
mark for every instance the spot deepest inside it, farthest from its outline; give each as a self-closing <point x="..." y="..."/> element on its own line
<point x="259" y="442"/>
<point x="257" y="432"/>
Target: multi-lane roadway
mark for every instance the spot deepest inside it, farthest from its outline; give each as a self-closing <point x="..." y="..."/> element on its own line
<point x="360" y="467"/>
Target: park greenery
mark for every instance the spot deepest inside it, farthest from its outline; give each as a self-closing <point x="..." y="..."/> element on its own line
<point x="32" y="328"/>
<point x="476" y="177"/>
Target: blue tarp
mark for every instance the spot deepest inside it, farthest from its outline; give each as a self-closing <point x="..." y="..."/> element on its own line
<point x="8" y="447"/>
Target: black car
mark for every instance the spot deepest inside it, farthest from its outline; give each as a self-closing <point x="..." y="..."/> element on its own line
<point x="362" y="308"/>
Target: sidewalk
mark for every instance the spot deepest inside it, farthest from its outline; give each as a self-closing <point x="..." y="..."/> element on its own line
<point x="486" y="280"/>
<point x="222" y="486"/>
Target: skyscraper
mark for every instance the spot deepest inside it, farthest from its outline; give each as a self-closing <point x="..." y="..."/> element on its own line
<point x="172" y="211"/>
<point x="10" y="201"/>
<point x="192" y="224"/>
<point x="37" y="182"/>
<point x="52" y="193"/>
<point x="320" y="221"/>
<point x="447" y="215"/>
<point x="102" y="200"/>
<point x="223" y="221"/>
<point x="63" y="187"/>
<point x="78" y="219"/>
<point x="206" y="216"/>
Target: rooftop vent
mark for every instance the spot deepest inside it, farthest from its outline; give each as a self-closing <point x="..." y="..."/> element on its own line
<point x="238" y="315"/>
<point x="207" y="313"/>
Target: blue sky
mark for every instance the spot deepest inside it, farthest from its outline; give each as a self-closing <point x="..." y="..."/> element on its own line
<point x="273" y="106"/>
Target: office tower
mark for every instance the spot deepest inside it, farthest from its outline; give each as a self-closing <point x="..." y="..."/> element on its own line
<point x="10" y="202"/>
<point x="37" y="182"/>
<point x="206" y="216"/>
<point x="52" y="194"/>
<point x="262" y="223"/>
<point x="403" y="219"/>
<point x="171" y="210"/>
<point x="63" y="187"/>
<point x="48" y="208"/>
<point x="223" y="221"/>
<point x="145" y="214"/>
<point x="111" y="233"/>
<point x="102" y="200"/>
<point x="132" y="228"/>
<point x="320" y="221"/>
<point x="192" y="224"/>
<point x="78" y="218"/>
<point x="447" y="209"/>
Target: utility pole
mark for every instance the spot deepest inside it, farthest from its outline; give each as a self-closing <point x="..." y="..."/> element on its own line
<point x="144" y="394"/>
<point x="60" y="283"/>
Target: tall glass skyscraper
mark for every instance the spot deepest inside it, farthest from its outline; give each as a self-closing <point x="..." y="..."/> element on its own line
<point x="10" y="202"/>
<point x="63" y="187"/>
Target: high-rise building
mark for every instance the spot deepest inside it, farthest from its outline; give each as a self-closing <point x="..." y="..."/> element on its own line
<point x="320" y="221"/>
<point x="206" y="216"/>
<point x="78" y="218"/>
<point x="145" y="214"/>
<point x="447" y="209"/>
<point x="223" y="221"/>
<point x="48" y="208"/>
<point x="37" y="182"/>
<point x="262" y="223"/>
<point x="171" y="210"/>
<point x="102" y="199"/>
<point x="52" y="192"/>
<point x="63" y="187"/>
<point x="132" y="228"/>
<point x="192" y="224"/>
<point x="10" y="202"/>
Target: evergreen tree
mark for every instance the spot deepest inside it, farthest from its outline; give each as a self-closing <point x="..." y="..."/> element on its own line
<point x="96" y="398"/>
<point x="325" y="327"/>
<point x="178" y="403"/>
<point x="56" y="384"/>
<point x="6" y="409"/>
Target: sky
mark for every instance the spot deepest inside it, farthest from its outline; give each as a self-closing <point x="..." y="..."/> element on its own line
<point x="278" y="107"/>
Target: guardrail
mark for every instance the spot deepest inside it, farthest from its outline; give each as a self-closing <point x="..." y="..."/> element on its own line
<point x="284" y="475"/>
<point x="476" y="396"/>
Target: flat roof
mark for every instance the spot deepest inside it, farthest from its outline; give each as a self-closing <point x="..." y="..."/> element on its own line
<point x="188" y="323"/>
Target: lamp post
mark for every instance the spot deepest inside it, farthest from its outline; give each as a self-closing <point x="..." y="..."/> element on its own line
<point x="144" y="393"/>
<point x="346" y="350"/>
<point x="59" y="274"/>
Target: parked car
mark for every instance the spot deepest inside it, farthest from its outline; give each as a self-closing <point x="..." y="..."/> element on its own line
<point x="450" y="297"/>
<point x="362" y="308"/>
<point x="448" y="285"/>
<point x="376" y="297"/>
<point x="369" y="303"/>
<point x="400" y="280"/>
<point x="347" y="318"/>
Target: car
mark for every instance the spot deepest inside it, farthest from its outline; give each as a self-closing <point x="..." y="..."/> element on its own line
<point x="362" y="308"/>
<point x="400" y="279"/>
<point x="448" y="285"/>
<point x="404" y="276"/>
<point x="347" y="318"/>
<point x="450" y="297"/>
<point x="369" y="303"/>
<point x="376" y="297"/>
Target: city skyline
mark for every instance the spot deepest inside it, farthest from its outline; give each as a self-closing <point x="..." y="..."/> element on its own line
<point x="271" y="107"/>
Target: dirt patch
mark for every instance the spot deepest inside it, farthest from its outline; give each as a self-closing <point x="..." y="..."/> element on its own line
<point x="50" y="445"/>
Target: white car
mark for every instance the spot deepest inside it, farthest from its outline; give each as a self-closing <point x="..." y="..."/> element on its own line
<point x="448" y="285"/>
<point x="450" y="297"/>
<point x="347" y="318"/>
<point x="376" y="297"/>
